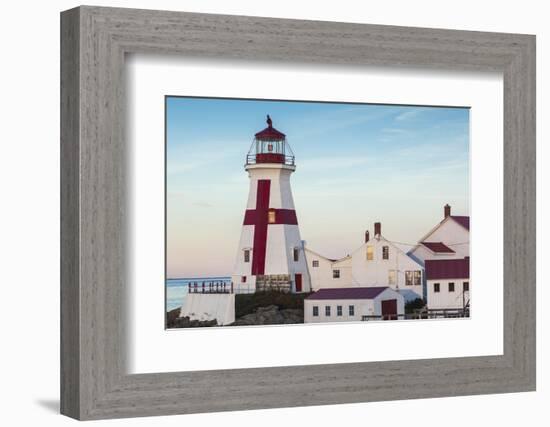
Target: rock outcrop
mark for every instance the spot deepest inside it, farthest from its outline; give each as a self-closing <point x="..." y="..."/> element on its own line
<point x="271" y="315"/>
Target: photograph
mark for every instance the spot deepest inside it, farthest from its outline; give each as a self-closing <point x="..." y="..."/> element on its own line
<point x="284" y="212"/>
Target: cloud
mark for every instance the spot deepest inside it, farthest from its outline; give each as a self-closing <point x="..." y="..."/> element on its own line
<point x="395" y="131"/>
<point x="409" y="114"/>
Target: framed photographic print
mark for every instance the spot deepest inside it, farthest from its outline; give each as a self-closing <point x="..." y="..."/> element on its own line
<point x="289" y="213"/>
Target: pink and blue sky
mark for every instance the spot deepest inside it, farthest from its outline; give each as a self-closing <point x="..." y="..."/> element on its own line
<point x="356" y="164"/>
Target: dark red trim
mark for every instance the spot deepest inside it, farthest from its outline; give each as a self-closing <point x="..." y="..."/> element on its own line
<point x="282" y="216"/>
<point x="260" y="226"/>
<point x="270" y="158"/>
<point x="298" y="281"/>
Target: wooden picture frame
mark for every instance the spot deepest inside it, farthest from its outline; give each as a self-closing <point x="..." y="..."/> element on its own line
<point x="94" y="382"/>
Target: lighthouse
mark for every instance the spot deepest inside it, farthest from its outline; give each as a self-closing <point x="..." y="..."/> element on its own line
<point x="270" y="255"/>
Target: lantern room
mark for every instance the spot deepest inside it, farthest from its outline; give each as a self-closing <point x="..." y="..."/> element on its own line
<point x="270" y="146"/>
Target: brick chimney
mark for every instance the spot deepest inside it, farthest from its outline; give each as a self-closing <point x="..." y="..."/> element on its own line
<point x="367" y="236"/>
<point x="377" y="229"/>
<point x="447" y="210"/>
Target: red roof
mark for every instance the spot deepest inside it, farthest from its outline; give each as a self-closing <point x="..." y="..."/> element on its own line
<point x="347" y="293"/>
<point x="447" y="268"/>
<point x="438" y="247"/>
<point x="462" y="220"/>
<point x="270" y="134"/>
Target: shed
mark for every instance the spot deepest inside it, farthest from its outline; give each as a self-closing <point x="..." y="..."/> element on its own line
<point x="353" y="304"/>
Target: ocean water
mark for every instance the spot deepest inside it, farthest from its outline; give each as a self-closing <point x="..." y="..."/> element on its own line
<point x="177" y="289"/>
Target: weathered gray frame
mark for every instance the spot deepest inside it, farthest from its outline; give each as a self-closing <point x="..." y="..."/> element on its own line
<point x="94" y="41"/>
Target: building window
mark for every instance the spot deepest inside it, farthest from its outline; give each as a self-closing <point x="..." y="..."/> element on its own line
<point x="370" y="253"/>
<point x="315" y="263"/>
<point x="296" y="254"/>
<point x="451" y="287"/>
<point x="246" y="255"/>
<point x="417" y="278"/>
<point x="392" y="277"/>
<point x="436" y="287"/>
<point x="327" y="310"/>
<point x="338" y="310"/>
<point x="466" y="286"/>
<point x="413" y="277"/>
<point x="335" y="274"/>
<point x="351" y="310"/>
<point x="385" y="252"/>
<point x="315" y="311"/>
<point x="243" y="279"/>
<point x="271" y="216"/>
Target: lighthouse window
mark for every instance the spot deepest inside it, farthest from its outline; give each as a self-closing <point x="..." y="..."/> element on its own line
<point x="335" y="274"/>
<point x="385" y="252"/>
<point x="271" y="217"/>
<point x="370" y="253"/>
<point x="246" y="255"/>
<point x="296" y="254"/>
<point x="315" y="263"/>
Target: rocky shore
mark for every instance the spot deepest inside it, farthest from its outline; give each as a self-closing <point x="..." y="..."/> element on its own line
<point x="260" y="308"/>
<point x="271" y="315"/>
<point x="174" y="321"/>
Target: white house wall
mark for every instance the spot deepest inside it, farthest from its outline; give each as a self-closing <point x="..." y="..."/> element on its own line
<point x="388" y="294"/>
<point x="322" y="276"/>
<point x="376" y="272"/>
<point x="452" y="234"/>
<point x="445" y="299"/>
<point x="362" y="307"/>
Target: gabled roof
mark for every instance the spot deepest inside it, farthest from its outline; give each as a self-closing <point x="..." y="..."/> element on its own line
<point x="438" y="247"/>
<point x="332" y="260"/>
<point x="447" y="269"/>
<point x="462" y="220"/>
<point x="347" y="293"/>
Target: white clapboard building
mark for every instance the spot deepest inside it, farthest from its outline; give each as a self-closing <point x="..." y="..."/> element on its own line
<point x="353" y="304"/>
<point x="445" y="254"/>
<point x="270" y="254"/>
<point x="448" y="284"/>
<point x="378" y="262"/>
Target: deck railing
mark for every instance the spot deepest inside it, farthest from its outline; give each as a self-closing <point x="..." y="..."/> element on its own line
<point x="252" y="159"/>
<point x="210" y="287"/>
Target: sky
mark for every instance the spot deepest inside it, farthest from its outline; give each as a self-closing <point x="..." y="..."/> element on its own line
<point x="355" y="164"/>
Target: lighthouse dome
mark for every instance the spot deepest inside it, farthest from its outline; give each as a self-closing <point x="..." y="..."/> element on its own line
<point x="270" y="146"/>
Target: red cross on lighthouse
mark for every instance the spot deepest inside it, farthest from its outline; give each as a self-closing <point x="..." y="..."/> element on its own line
<point x="261" y="218"/>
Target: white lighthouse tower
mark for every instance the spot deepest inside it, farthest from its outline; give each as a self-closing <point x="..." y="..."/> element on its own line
<point x="270" y="253"/>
